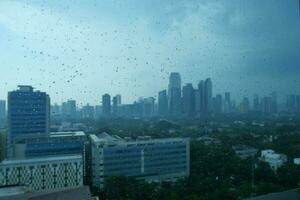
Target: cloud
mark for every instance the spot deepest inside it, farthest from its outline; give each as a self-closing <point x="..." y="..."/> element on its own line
<point x="130" y="47"/>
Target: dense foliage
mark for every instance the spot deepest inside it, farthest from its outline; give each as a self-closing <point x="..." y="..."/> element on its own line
<point x="216" y="173"/>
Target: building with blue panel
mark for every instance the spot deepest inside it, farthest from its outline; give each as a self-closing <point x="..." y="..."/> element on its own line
<point x="56" y="143"/>
<point x="28" y="113"/>
<point x="145" y="158"/>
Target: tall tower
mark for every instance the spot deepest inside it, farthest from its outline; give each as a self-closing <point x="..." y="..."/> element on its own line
<point x="201" y="89"/>
<point x="174" y="94"/>
<point x="2" y="113"/>
<point x="188" y="98"/>
<point x="162" y="103"/>
<point x="106" y="105"/>
<point x="116" y="103"/>
<point x="207" y="96"/>
<point x="28" y="112"/>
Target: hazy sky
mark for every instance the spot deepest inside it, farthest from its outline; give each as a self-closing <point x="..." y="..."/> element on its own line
<point x="81" y="49"/>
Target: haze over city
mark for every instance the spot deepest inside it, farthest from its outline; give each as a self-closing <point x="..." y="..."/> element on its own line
<point x="131" y="47"/>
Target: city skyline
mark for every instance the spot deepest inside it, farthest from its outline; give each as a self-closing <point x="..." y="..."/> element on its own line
<point x="118" y="51"/>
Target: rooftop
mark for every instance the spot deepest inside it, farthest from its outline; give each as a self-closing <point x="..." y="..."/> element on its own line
<point x="114" y="139"/>
<point x="41" y="159"/>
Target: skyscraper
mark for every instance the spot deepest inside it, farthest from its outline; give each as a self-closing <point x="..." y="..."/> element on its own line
<point x="88" y="112"/>
<point x="218" y="106"/>
<point x="174" y="94"/>
<point x="256" y="104"/>
<point x="201" y="89"/>
<point x="207" y="96"/>
<point x="106" y="105"/>
<point x="116" y="104"/>
<point x="274" y="103"/>
<point x="28" y="112"/>
<point x="2" y="113"/>
<point x="227" y="103"/>
<point x="69" y="109"/>
<point x="188" y="98"/>
<point x="162" y="103"/>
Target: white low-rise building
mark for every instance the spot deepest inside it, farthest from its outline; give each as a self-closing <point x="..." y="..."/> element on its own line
<point x="297" y="161"/>
<point x="45" y="173"/>
<point x="275" y="160"/>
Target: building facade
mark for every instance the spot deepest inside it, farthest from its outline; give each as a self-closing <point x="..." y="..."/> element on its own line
<point x="163" y="103"/>
<point x="174" y="95"/>
<point x="2" y="113"/>
<point x="43" y="173"/>
<point x="106" y="105"/>
<point x="28" y="112"/>
<point x="145" y="158"/>
<point x="56" y="143"/>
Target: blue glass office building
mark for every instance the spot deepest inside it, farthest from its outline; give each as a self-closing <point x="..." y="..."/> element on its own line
<point x="146" y="158"/>
<point x="28" y="113"/>
<point x="56" y="143"/>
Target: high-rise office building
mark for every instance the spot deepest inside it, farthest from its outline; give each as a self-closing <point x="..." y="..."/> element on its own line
<point x="148" y="107"/>
<point x="201" y="89"/>
<point x="68" y="110"/>
<point x="116" y="103"/>
<point x="88" y="112"/>
<point x="227" y="103"/>
<point x="2" y="113"/>
<point x="28" y="112"/>
<point x="267" y="105"/>
<point x="106" y="105"/>
<point x="197" y="102"/>
<point x="188" y="100"/>
<point x="245" y="105"/>
<point x="256" y="104"/>
<point x="174" y="94"/>
<point x="218" y="104"/>
<point x="162" y="103"/>
<point x="274" y="106"/>
<point x="207" y="96"/>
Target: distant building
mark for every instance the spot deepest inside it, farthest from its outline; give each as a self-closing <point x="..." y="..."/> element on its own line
<point x="201" y="89"/>
<point x="227" y="103"/>
<point x="208" y="96"/>
<point x="218" y="104"/>
<point x="244" y="151"/>
<point x="148" y="107"/>
<point x="69" y="109"/>
<point x="188" y="100"/>
<point x="116" y="103"/>
<point x="87" y="112"/>
<point x="245" y="105"/>
<point x="275" y="160"/>
<point x="163" y="103"/>
<point x="43" y="173"/>
<point x="256" y="104"/>
<point x="2" y="113"/>
<point x="28" y="112"/>
<point x="106" y="105"/>
<point x="174" y="94"/>
<point x="98" y="112"/>
<point x="267" y="105"/>
<point x="145" y="158"/>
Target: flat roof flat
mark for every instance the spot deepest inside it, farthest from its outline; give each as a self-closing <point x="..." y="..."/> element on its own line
<point x="41" y="159"/>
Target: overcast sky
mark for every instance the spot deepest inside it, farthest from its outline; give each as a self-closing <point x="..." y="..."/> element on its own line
<point x="81" y="49"/>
